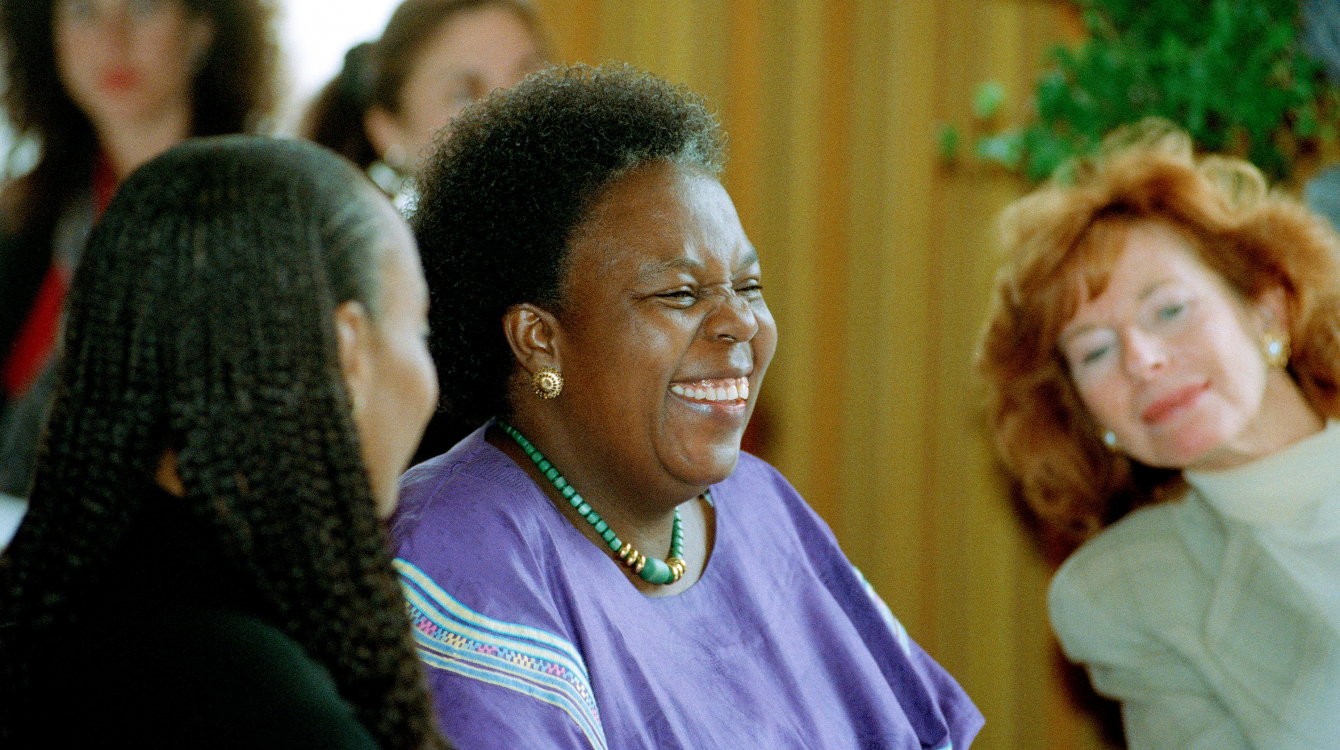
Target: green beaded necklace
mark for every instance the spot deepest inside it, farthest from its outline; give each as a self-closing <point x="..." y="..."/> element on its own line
<point x="648" y="569"/>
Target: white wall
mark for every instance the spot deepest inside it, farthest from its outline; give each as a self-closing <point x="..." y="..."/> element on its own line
<point x="315" y="34"/>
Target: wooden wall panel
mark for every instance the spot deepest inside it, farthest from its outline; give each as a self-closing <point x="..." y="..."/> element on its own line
<point x="877" y="258"/>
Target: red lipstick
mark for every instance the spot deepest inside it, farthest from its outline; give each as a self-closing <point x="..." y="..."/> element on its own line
<point x="1162" y="409"/>
<point x="120" y="80"/>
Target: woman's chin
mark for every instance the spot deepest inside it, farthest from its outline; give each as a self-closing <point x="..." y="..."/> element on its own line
<point x="1190" y="449"/>
<point x="709" y="464"/>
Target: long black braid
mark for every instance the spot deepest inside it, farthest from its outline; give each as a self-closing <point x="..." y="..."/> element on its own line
<point x="200" y="321"/>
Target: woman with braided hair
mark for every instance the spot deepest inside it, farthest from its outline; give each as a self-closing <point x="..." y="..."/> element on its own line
<point x="244" y="377"/>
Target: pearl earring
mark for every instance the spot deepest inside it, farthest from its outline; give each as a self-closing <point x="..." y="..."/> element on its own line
<point x="1275" y="347"/>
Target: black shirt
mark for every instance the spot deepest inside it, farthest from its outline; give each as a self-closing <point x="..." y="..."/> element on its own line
<point x="173" y="651"/>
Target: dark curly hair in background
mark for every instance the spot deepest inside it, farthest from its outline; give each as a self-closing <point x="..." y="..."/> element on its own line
<point x="201" y="321"/>
<point x="501" y="198"/>
<point x="375" y="73"/>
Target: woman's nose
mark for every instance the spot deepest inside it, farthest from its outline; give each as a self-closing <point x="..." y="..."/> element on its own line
<point x="114" y="29"/>
<point x="1143" y="354"/>
<point x="733" y="319"/>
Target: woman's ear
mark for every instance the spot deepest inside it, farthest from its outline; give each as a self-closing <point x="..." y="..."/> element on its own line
<point x="1273" y="307"/>
<point x="353" y="339"/>
<point x="534" y="335"/>
<point x="386" y="136"/>
<point x="199" y="40"/>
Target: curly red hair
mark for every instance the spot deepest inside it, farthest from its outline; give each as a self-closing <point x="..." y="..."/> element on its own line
<point x="1061" y="243"/>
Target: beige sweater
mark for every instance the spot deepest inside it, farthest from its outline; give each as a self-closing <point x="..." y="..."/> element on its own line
<point x="1215" y="619"/>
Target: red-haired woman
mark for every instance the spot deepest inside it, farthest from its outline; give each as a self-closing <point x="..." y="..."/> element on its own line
<point x="1163" y="359"/>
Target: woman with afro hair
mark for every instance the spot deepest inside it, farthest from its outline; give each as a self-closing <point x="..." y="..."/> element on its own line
<point x="606" y="310"/>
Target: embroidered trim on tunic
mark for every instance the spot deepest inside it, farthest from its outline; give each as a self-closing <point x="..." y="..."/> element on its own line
<point x="453" y="637"/>
<point x="899" y="632"/>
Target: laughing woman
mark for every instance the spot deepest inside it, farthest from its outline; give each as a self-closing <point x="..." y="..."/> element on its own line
<point x="599" y="565"/>
<point x="1165" y="335"/>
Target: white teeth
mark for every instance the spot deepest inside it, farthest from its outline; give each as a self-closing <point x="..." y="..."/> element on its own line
<point x="737" y="389"/>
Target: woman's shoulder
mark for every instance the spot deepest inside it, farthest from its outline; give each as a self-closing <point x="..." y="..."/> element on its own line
<point x="472" y="489"/>
<point x="1139" y="569"/>
<point x="1142" y="544"/>
<point x="768" y="508"/>
<point x="473" y="533"/>
<point x="763" y="483"/>
<point x="247" y="653"/>
<point x="472" y="457"/>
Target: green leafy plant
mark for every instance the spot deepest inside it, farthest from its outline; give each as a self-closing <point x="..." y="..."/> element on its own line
<point x="1230" y="72"/>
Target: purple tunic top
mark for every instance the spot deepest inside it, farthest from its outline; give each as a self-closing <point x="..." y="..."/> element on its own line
<point x="533" y="637"/>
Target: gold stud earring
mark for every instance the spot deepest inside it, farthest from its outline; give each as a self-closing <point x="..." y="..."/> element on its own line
<point x="1276" y="348"/>
<point x="547" y="382"/>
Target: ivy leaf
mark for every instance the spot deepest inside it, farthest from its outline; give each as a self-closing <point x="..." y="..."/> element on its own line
<point x="987" y="99"/>
<point x="948" y="142"/>
<point x="1005" y="149"/>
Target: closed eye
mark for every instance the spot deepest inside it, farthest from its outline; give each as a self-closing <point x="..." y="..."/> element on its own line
<point x="680" y="297"/>
<point x="1093" y="355"/>
<point x="1171" y="311"/>
<point x="1088" y="349"/>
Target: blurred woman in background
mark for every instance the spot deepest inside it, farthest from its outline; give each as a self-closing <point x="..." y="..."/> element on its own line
<point x="393" y="95"/>
<point x="244" y="378"/>
<point x="1164" y="364"/>
<point x="100" y="87"/>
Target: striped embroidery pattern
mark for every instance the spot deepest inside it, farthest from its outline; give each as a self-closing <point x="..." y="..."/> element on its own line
<point x="899" y="632"/>
<point x="453" y="637"/>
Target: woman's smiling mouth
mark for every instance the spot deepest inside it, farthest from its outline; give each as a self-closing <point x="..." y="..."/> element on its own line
<point x="1163" y="409"/>
<point x="716" y="391"/>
